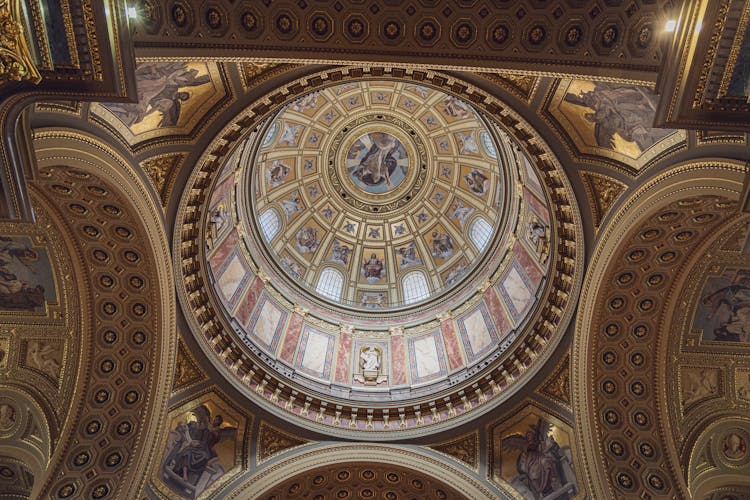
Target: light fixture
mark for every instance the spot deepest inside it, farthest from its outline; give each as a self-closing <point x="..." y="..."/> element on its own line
<point x="698" y="26"/>
<point x="670" y="26"/>
<point x="132" y="14"/>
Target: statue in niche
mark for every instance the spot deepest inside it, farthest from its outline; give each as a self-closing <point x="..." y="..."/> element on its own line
<point x="217" y="221"/>
<point x="538" y="237"/>
<point x="370" y="366"/>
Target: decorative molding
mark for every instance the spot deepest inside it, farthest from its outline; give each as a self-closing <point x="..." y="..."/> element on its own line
<point x="273" y="441"/>
<point x="557" y="385"/>
<point x="465" y="449"/>
<point x="162" y="170"/>
<point x="187" y="373"/>
<point x="15" y="58"/>
<point x="602" y="192"/>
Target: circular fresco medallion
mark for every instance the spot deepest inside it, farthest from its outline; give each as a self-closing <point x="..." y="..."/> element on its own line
<point x="377" y="162"/>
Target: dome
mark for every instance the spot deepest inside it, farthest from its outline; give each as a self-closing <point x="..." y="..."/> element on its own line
<point x="378" y="194"/>
<point x="378" y="243"/>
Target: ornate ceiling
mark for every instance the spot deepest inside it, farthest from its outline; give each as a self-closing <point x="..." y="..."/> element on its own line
<point x="268" y="278"/>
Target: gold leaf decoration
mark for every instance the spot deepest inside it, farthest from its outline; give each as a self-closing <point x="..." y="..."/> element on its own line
<point x="464" y="449"/>
<point x="15" y="58"/>
<point x="520" y="85"/>
<point x="557" y="385"/>
<point x="186" y="371"/>
<point x="602" y="192"/>
<point x="254" y="73"/>
<point x="272" y="441"/>
<point x="161" y="169"/>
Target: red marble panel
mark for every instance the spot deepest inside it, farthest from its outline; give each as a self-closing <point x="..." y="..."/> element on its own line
<point x="343" y="358"/>
<point x="223" y="250"/>
<point x="248" y="301"/>
<point x="492" y="301"/>
<point x="532" y="271"/>
<point x="536" y="204"/>
<point x="291" y="338"/>
<point x="398" y="360"/>
<point x="221" y="189"/>
<point x="452" y="349"/>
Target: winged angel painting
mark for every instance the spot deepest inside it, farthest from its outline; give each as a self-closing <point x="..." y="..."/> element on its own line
<point x="191" y="461"/>
<point x="544" y="469"/>
<point x="164" y="91"/>
<point x="618" y="116"/>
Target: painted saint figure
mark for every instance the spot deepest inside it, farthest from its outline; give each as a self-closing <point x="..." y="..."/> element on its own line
<point x="307" y="240"/>
<point x="442" y="245"/>
<point x="191" y="462"/>
<point x="378" y="163"/>
<point x="276" y="173"/>
<point x="731" y="306"/>
<point x="340" y="253"/>
<point x="20" y="275"/>
<point x="620" y="109"/>
<point x="477" y="182"/>
<point x="543" y="468"/>
<point x="158" y="89"/>
<point x="373" y="268"/>
<point x="408" y="255"/>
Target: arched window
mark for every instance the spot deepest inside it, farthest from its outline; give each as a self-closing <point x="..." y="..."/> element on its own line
<point x="480" y="232"/>
<point x="330" y="284"/>
<point x="269" y="223"/>
<point x="415" y="287"/>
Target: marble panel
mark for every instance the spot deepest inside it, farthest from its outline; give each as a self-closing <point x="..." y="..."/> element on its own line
<point x="223" y="250"/>
<point x="527" y="264"/>
<point x="537" y="205"/>
<point x="266" y="324"/>
<point x="453" y="351"/>
<point x="477" y="332"/>
<point x="398" y="356"/>
<point x="248" y="301"/>
<point x="426" y="358"/>
<point x="515" y="289"/>
<point x="315" y="353"/>
<point x="231" y="279"/>
<point x="291" y="338"/>
<point x="343" y="358"/>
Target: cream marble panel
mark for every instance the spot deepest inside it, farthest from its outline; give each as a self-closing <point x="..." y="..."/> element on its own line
<point x="476" y="331"/>
<point x="316" y="351"/>
<point x="231" y="278"/>
<point x="426" y="356"/>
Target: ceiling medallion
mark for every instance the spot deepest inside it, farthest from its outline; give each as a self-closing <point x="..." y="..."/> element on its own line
<point x="377" y="163"/>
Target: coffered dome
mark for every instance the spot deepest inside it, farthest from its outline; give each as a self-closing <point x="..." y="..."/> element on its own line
<point x="377" y="194"/>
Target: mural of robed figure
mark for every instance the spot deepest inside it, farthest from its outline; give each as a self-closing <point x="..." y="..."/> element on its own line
<point x="625" y="110"/>
<point x="191" y="463"/>
<point x="158" y="90"/>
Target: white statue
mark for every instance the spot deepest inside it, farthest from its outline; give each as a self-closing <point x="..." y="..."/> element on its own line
<point x="370" y="359"/>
